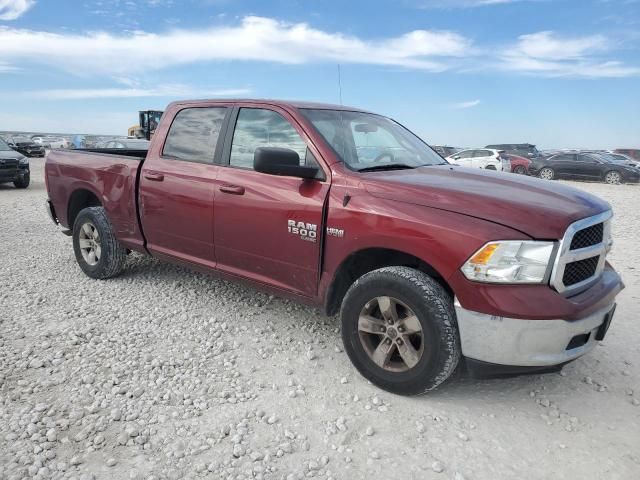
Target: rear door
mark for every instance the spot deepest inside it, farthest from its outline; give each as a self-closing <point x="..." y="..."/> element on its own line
<point x="589" y="167"/>
<point x="177" y="186"/>
<point x="481" y="159"/>
<point x="268" y="228"/>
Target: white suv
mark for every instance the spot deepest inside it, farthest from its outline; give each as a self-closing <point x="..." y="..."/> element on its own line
<point x="481" y="158"/>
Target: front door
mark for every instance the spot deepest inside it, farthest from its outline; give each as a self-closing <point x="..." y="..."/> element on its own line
<point x="177" y="187"/>
<point x="267" y="227"/>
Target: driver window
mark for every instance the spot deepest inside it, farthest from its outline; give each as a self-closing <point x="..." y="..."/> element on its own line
<point x="258" y="127"/>
<point x="465" y="154"/>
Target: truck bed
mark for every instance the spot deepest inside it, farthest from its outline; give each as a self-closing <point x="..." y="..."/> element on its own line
<point x="110" y="177"/>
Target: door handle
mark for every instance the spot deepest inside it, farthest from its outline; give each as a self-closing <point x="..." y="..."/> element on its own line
<point x="153" y="176"/>
<point x="232" y="189"/>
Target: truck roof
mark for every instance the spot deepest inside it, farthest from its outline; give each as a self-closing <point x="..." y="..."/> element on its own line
<point x="275" y="102"/>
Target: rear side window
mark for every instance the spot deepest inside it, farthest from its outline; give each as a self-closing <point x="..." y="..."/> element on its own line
<point x="194" y="133"/>
<point x="482" y="153"/>
<point x="563" y="158"/>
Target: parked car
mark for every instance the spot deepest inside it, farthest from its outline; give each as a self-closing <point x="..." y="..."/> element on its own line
<point x="427" y="264"/>
<point x="49" y="141"/>
<point x="445" y="151"/>
<point x="519" y="165"/>
<point x="481" y="158"/>
<point x="26" y="146"/>
<point x="14" y="167"/>
<point x="128" y="143"/>
<point x="630" y="152"/>
<point x="585" y="166"/>
<point x="526" y="150"/>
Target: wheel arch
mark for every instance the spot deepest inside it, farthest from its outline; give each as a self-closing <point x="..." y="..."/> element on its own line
<point x="366" y="260"/>
<point x="80" y="199"/>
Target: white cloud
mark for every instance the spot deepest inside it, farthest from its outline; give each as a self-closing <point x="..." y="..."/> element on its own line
<point x="179" y="91"/>
<point x="546" y="54"/>
<point x="12" y="9"/>
<point x="254" y="39"/>
<point x="469" y="104"/>
<point x="464" y="3"/>
<point x="6" y="68"/>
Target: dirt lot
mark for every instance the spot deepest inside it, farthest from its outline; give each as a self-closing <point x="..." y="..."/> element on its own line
<point x="166" y="373"/>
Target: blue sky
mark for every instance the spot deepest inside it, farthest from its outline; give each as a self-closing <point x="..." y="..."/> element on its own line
<point x="558" y="73"/>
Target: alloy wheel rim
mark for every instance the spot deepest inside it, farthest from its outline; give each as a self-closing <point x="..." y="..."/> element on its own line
<point x="613" y="177"/>
<point x="546" y="173"/>
<point x="89" y="242"/>
<point x="391" y="334"/>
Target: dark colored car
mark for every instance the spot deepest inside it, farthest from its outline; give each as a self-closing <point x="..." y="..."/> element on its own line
<point x="14" y="167"/>
<point x="26" y="146"/>
<point x="445" y="151"/>
<point x="586" y="166"/>
<point x="428" y="263"/>
<point x="630" y="152"/>
<point x="519" y="165"/>
<point x="526" y="150"/>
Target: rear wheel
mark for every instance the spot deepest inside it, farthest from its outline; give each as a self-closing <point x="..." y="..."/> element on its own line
<point x="547" y="173"/>
<point x="22" y="182"/>
<point x="613" y="178"/>
<point x="97" y="251"/>
<point x="399" y="330"/>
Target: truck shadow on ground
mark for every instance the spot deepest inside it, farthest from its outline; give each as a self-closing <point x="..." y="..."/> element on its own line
<point x="460" y="387"/>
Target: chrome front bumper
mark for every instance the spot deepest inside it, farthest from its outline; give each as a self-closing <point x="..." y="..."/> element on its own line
<point x="527" y="343"/>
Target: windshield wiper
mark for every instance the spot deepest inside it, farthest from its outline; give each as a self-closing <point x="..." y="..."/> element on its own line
<point x="388" y="166"/>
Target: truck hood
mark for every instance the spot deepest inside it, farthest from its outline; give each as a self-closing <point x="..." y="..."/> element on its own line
<point x="538" y="208"/>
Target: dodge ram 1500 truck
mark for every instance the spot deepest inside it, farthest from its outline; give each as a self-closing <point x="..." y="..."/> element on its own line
<point x="428" y="263"/>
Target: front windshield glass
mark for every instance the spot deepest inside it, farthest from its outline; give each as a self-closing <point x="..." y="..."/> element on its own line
<point x="3" y="146"/>
<point x="366" y="141"/>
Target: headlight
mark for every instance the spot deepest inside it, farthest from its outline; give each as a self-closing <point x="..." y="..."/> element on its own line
<point x="510" y="261"/>
<point x="24" y="161"/>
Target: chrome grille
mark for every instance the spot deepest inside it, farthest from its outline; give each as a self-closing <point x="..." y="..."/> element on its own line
<point x="581" y="254"/>
<point x="588" y="236"/>
<point x="576" y="272"/>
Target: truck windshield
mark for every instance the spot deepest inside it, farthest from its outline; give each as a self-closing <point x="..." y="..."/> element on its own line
<point x="365" y="141"/>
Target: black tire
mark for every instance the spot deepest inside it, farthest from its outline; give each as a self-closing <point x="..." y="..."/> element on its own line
<point x="112" y="256"/>
<point x="520" y="170"/>
<point x="22" y="182"/>
<point x="431" y="304"/>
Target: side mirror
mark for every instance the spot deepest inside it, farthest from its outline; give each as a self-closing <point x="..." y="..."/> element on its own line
<point x="281" y="161"/>
<point x="456" y="157"/>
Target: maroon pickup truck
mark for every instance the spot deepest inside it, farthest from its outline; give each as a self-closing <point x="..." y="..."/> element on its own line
<point x="429" y="264"/>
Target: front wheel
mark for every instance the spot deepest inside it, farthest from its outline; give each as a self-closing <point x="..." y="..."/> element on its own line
<point x="547" y="173"/>
<point x="97" y="250"/>
<point x="613" y="178"/>
<point x="400" y="331"/>
<point x="23" y="181"/>
<point x="520" y="170"/>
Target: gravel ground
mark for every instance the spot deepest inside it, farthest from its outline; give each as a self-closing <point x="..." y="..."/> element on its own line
<point x="166" y="373"/>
